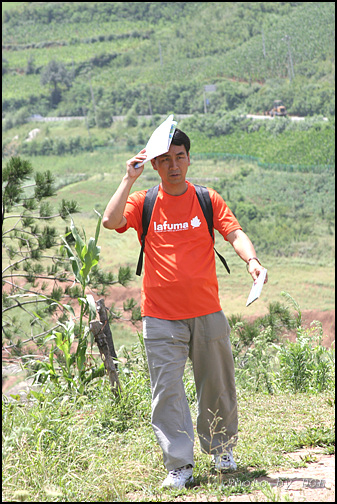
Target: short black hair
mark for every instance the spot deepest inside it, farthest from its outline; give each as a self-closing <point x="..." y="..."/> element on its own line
<point x="180" y="138"/>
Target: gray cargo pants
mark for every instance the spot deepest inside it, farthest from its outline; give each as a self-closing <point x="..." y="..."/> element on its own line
<point x="206" y="341"/>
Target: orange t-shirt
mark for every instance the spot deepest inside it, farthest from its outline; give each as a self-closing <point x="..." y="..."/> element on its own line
<point x="179" y="266"/>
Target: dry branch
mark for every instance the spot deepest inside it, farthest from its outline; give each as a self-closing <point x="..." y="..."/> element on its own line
<point x="103" y="337"/>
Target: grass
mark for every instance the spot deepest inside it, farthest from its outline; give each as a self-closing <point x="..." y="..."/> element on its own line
<point x="71" y="53"/>
<point x="60" y="31"/>
<point x="285" y="418"/>
<point x="312" y="286"/>
<point x="94" y="448"/>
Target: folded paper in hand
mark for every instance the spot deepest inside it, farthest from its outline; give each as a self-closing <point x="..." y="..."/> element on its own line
<point x="257" y="287"/>
<point x="160" y="140"/>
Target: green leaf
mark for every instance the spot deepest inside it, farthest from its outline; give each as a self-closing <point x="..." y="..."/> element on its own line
<point x="83" y="252"/>
<point x="64" y="346"/>
<point x="37" y="315"/>
<point x="95" y="373"/>
<point x="79" y="243"/>
<point x="90" y="259"/>
<point x="38" y="395"/>
<point x="80" y="355"/>
<point x="76" y="267"/>
<point x="98" y="227"/>
<point x="48" y="338"/>
<point x="69" y="308"/>
<point x="88" y="304"/>
<point x="91" y="306"/>
<point x="15" y="396"/>
<point x="51" y="361"/>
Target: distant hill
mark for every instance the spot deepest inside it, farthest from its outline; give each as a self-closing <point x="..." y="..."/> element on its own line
<point x="156" y="57"/>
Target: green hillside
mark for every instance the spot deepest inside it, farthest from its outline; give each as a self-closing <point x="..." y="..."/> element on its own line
<point x="103" y="59"/>
<point x="159" y="56"/>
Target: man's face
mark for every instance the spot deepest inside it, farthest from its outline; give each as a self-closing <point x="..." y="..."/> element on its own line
<point x="172" y="166"/>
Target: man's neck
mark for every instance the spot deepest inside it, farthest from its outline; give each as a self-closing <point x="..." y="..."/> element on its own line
<point x="175" y="190"/>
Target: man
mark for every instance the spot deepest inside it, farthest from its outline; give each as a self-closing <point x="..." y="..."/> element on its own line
<point x="181" y="312"/>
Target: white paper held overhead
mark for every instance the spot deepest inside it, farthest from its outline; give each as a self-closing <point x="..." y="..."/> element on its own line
<point x="160" y="140"/>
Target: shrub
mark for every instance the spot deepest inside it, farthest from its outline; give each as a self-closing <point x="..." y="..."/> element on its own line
<point x="306" y="365"/>
<point x="263" y="363"/>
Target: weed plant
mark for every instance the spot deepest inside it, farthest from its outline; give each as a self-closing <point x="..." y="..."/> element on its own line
<point x="265" y="361"/>
<point x="305" y="364"/>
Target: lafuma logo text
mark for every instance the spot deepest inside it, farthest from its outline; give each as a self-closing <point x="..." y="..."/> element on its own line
<point x="177" y="226"/>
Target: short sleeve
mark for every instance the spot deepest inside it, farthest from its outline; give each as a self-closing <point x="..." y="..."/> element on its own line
<point x="224" y="220"/>
<point x="133" y="212"/>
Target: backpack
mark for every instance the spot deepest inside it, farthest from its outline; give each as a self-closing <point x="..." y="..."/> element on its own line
<point x="207" y="209"/>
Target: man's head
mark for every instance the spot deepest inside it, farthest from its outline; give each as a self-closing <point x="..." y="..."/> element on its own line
<point x="172" y="166"/>
<point x="180" y="138"/>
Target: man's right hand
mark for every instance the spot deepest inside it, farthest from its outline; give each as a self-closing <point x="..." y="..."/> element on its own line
<point x="131" y="170"/>
<point x="113" y="217"/>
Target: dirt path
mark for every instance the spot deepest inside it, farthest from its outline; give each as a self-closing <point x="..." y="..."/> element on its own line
<point x="314" y="483"/>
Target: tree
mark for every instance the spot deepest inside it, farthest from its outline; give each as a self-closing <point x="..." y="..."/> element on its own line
<point x="56" y="74"/>
<point x="30" y="251"/>
<point x="36" y="270"/>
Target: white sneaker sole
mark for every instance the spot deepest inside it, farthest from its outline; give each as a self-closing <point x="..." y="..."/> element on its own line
<point x="224" y="469"/>
<point x="188" y="482"/>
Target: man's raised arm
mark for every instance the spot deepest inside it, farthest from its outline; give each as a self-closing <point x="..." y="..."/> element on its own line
<point x="113" y="217"/>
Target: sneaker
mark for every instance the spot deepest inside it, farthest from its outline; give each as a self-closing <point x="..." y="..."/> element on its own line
<point x="179" y="477"/>
<point x="225" y="462"/>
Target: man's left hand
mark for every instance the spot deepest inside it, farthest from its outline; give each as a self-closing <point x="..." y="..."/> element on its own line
<point x="254" y="268"/>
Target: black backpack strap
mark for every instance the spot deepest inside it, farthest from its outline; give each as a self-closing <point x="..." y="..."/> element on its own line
<point x="223" y="260"/>
<point x="207" y="209"/>
<point x="206" y="206"/>
<point x="149" y="201"/>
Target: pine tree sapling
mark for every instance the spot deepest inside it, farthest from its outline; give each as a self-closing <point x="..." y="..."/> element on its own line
<point x="31" y="250"/>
